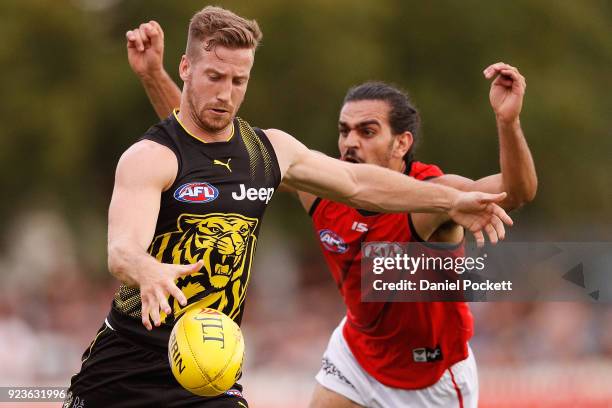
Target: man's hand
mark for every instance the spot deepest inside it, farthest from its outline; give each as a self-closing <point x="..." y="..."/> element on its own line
<point x="156" y="284"/>
<point x="145" y="47"/>
<point x="507" y="91"/>
<point x="477" y="212"/>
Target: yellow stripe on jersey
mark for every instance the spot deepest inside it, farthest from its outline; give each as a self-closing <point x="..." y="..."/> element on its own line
<point x="175" y="113"/>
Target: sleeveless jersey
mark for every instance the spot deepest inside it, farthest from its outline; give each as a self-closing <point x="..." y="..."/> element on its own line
<point x="400" y="344"/>
<point x="212" y="212"/>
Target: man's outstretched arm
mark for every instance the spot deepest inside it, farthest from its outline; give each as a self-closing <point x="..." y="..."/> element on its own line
<point x="378" y="189"/>
<point x="145" y="48"/>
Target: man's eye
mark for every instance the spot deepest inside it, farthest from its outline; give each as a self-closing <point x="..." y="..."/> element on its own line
<point x="343" y="132"/>
<point x="214" y="77"/>
<point x="369" y="132"/>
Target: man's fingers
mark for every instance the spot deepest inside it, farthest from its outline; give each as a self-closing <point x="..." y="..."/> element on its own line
<point x="163" y="303"/>
<point x="510" y="74"/>
<point x="140" y="43"/>
<point x="135" y="39"/>
<point x="189" y="269"/>
<point x="178" y="295"/>
<point x="479" y="237"/>
<point x="494" y="69"/>
<point x="154" y="312"/>
<point x="499" y="227"/>
<point x="144" y="311"/>
<point x="517" y="78"/>
<point x="158" y="28"/>
<point x="491" y="233"/>
<point x="150" y="30"/>
<point x="502" y="215"/>
<point x="147" y="32"/>
<point x="131" y="39"/>
<point x="492" y="198"/>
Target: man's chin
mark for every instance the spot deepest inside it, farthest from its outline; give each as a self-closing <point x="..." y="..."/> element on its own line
<point x="216" y="124"/>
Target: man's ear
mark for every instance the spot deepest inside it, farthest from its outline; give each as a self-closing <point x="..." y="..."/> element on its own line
<point x="403" y="142"/>
<point x="185" y="68"/>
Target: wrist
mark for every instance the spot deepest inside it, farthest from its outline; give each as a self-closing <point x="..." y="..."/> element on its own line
<point x="153" y="76"/>
<point x="449" y="198"/>
<point x="508" y="123"/>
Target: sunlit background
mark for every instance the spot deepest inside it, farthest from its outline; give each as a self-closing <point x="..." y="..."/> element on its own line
<point x="70" y="106"/>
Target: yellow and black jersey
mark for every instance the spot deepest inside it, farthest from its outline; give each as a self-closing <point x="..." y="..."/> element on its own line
<point x="212" y="212"/>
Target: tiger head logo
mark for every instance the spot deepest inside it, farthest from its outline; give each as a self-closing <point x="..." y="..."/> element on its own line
<point x="223" y="241"/>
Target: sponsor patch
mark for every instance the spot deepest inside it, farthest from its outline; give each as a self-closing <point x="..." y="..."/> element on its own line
<point x="332" y="241"/>
<point x="330" y="369"/>
<point x="253" y="194"/>
<point x="426" y="354"/>
<point x="196" y="193"/>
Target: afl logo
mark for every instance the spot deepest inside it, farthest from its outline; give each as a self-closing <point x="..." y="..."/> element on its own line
<point x="332" y="241"/>
<point x="196" y="193"/>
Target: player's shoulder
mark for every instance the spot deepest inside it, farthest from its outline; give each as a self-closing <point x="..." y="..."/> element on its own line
<point x="423" y="171"/>
<point x="279" y="137"/>
<point x="148" y="155"/>
<point x="147" y="163"/>
<point x="146" y="148"/>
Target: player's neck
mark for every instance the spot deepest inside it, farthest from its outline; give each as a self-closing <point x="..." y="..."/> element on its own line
<point x="186" y="119"/>
<point x="397" y="166"/>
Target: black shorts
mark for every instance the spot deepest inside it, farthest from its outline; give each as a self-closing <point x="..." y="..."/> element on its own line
<point x="118" y="372"/>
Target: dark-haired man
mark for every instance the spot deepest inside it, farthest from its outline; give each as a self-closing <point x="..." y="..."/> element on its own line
<point x="372" y="358"/>
<point x="145" y="49"/>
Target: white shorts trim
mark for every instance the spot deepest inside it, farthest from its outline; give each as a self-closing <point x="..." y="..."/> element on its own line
<point x="341" y="373"/>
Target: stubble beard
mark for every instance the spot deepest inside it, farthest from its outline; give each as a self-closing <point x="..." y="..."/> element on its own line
<point x="209" y="125"/>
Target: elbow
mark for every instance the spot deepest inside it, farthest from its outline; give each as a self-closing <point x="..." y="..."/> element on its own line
<point x="531" y="194"/>
<point x="530" y="191"/>
<point x="115" y="261"/>
<point x="526" y="195"/>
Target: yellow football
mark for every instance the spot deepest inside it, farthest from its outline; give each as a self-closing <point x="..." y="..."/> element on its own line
<point x="206" y="350"/>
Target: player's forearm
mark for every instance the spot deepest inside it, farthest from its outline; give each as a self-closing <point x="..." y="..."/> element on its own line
<point x="126" y="261"/>
<point x="163" y="93"/>
<point x="379" y="189"/>
<point x="517" y="167"/>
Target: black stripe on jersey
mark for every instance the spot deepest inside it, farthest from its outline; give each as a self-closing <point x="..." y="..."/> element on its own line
<point x="314" y="205"/>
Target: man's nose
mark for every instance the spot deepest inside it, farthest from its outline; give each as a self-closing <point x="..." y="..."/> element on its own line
<point x="224" y="92"/>
<point x="351" y="139"/>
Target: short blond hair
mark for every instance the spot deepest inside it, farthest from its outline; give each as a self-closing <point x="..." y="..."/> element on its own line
<point x="214" y="26"/>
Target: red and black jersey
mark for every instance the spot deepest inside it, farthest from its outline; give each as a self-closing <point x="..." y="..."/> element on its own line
<point x="388" y="339"/>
